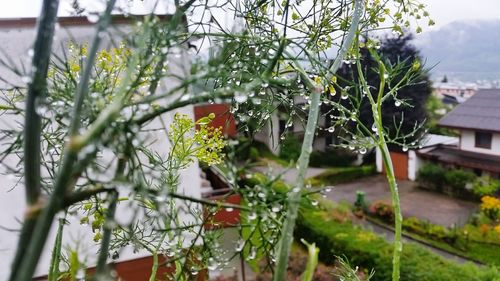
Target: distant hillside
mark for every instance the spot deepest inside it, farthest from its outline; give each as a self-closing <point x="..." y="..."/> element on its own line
<point x="467" y="50"/>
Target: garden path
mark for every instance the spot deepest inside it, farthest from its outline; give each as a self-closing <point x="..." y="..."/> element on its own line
<point x="415" y="202"/>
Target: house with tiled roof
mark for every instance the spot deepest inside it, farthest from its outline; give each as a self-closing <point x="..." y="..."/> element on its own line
<point x="478" y="122"/>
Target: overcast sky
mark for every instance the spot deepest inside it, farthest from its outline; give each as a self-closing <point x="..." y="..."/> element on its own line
<point x="442" y="11"/>
<point x="446" y="11"/>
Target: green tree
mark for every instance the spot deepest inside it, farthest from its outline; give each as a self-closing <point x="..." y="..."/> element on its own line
<point x="405" y="112"/>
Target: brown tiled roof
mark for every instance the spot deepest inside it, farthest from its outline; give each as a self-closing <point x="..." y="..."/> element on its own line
<point x="70" y="20"/>
<point x="479" y="112"/>
<point x="468" y="159"/>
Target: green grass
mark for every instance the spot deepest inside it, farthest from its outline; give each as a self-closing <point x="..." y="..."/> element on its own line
<point x="339" y="175"/>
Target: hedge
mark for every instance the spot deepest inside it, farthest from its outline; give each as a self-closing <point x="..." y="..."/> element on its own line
<point x="290" y="148"/>
<point x="452" y="182"/>
<point x="340" y="175"/>
<point x="332" y="157"/>
<point x="370" y="251"/>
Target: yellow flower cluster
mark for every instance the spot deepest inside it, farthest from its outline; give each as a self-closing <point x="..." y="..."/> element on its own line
<point x="490" y="206"/>
<point x="205" y="143"/>
<point x="490" y="203"/>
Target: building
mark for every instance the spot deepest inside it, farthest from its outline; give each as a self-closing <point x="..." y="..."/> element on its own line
<point x="477" y="148"/>
<point x="478" y="122"/>
<point x="407" y="163"/>
<point x="17" y="36"/>
<point x="458" y="91"/>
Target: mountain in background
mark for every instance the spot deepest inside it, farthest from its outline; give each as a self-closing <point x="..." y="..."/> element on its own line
<point x="465" y="50"/>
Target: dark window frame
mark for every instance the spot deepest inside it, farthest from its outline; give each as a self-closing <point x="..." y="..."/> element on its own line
<point x="483" y="139"/>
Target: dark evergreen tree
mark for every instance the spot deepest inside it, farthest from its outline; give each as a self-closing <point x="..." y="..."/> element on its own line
<point x="400" y="115"/>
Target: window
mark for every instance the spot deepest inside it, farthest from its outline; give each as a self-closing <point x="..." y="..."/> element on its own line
<point x="483" y="140"/>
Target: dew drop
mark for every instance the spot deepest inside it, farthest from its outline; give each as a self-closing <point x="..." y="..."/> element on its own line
<point x="144" y="106"/>
<point x="43" y="110"/>
<point x="252" y="254"/>
<point x="252" y="216"/>
<point x="26" y="79"/>
<point x="92" y="17"/>
<point x="212" y="265"/>
<point x="276" y="208"/>
<point x="240" y="97"/>
<point x="240" y="245"/>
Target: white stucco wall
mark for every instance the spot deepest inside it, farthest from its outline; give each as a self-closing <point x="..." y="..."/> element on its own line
<point x="16" y="43"/>
<point x="414" y="164"/>
<point x="467" y="142"/>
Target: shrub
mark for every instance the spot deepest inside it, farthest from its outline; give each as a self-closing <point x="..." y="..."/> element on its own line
<point x="339" y="175"/>
<point x="366" y="249"/>
<point x="459" y="178"/>
<point x="242" y="149"/>
<point x="429" y="230"/>
<point x="290" y="148"/>
<point x="253" y="154"/>
<point x="432" y="174"/>
<point x="333" y="157"/>
<point x="485" y="186"/>
<point x="438" y="178"/>
<point x="382" y="210"/>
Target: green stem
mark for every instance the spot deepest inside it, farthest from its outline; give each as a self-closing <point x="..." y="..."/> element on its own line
<point x="154" y="268"/>
<point x="56" y="253"/>
<point x="389" y="168"/>
<point x="102" y="269"/>
<point x="32" y="131"/>
<point x="25" y="270"/>
<point x="286" y="238"/>
<point x="391" y="179"/>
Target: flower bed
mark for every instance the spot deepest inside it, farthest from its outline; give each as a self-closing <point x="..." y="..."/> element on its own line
<point x="478" y="240"/>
